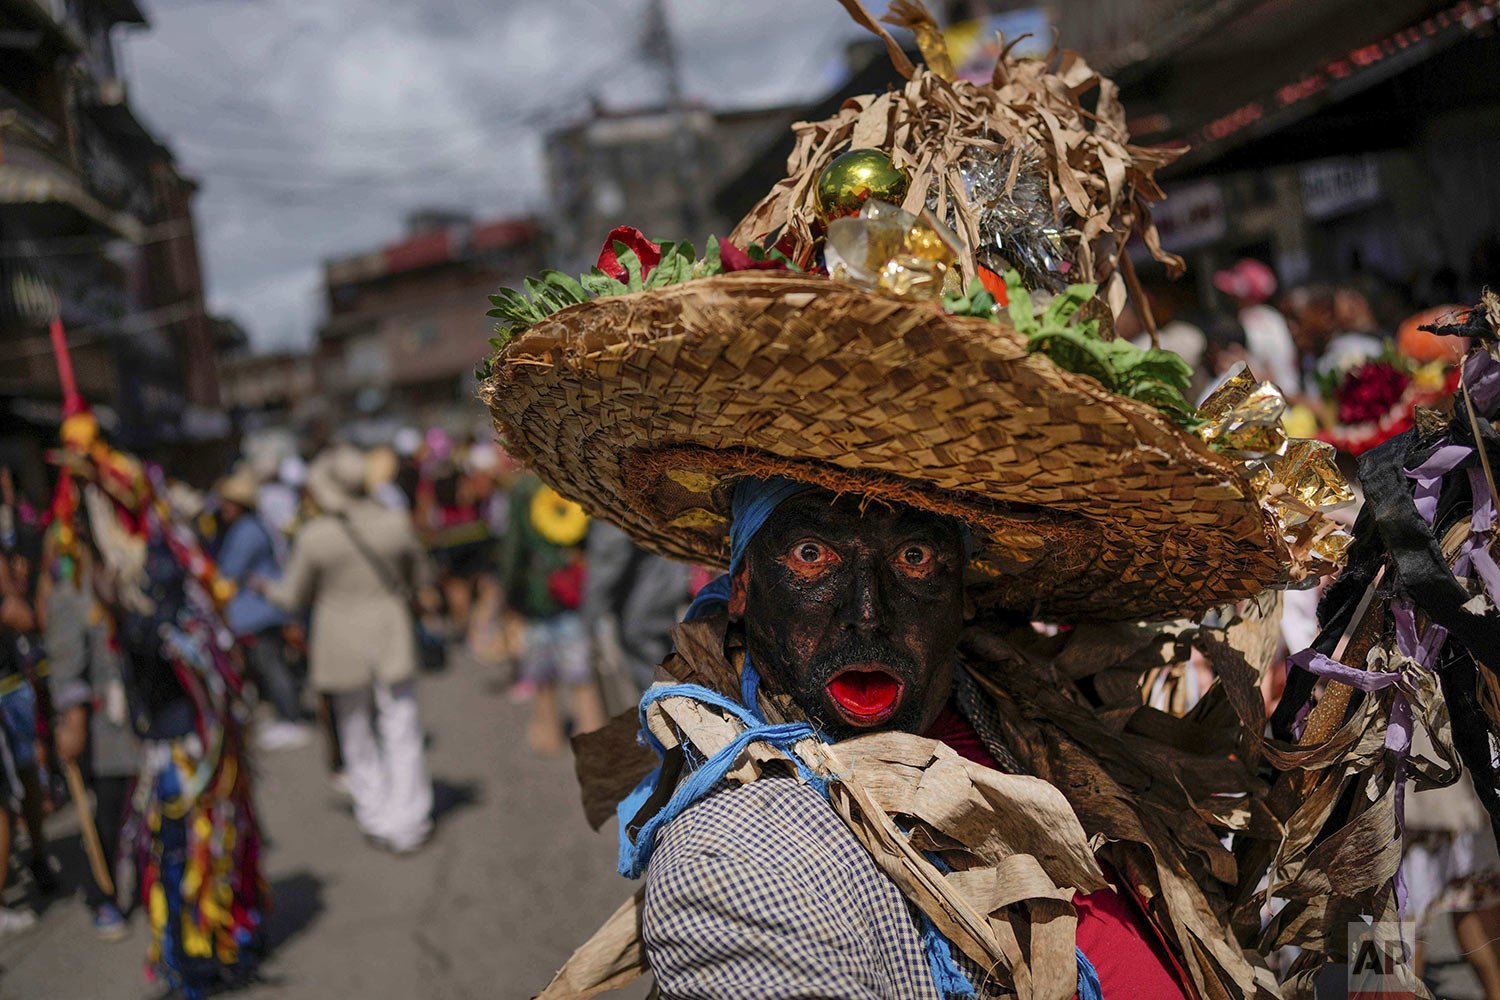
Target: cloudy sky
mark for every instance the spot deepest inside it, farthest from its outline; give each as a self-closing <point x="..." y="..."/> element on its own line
<point x="315" y="125"/>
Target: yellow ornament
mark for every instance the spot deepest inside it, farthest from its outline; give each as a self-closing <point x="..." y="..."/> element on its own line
<point x="561" y="522"/>
<point x="853" y="178"/>
<point x="223" y="590"/>
<point x="80" y="431"/>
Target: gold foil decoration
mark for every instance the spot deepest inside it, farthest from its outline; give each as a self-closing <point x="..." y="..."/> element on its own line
<point x="1304" y="481"/>
<point x="890" y="250"/>
<point x="1333" y="546"/>
<point x="1243" y="418"/>
<point x="1296" y="480"/>
<point x="1237" y="384"/>
<point x="913" y="16"/>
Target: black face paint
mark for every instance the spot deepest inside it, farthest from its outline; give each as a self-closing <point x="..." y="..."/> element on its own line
<point x="855" y="613"/>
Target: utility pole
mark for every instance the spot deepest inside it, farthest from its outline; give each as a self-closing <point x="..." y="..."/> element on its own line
<point x="659" y="50"/>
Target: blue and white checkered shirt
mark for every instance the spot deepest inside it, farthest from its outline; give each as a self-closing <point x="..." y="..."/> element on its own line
<point x="760" y="892"/>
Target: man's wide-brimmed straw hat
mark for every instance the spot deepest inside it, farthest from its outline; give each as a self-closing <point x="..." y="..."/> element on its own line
<point x="645" y="407"/>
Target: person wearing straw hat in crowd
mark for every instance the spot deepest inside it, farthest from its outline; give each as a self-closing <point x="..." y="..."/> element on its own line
<point x="247" y="552"/>
<point x="357" y="565"/>
<point x="903" y="750"/>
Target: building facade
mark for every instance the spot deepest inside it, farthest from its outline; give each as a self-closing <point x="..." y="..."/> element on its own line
<point x="655" y="169"/>
<point x="96" y="228"/>
<point x="406" y="324"/>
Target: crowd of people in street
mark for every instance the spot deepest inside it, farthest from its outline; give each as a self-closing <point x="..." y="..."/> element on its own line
<point x="339" y="578"/>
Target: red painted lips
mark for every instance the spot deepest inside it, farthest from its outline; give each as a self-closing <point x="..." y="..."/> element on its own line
<point x="866" y="694"/>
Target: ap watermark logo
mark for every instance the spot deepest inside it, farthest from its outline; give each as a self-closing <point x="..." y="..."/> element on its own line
<point x="1380" y="956"/>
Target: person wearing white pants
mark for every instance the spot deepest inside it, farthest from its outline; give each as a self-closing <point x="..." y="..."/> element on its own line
<point x="357" y="565"/>
<point x="381" y="737"/>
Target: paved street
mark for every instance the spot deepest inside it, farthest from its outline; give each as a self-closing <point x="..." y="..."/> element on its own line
<point x="512" y="882"/>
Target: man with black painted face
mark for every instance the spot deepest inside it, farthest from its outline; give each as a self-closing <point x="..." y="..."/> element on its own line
<point x="854" y="609"/>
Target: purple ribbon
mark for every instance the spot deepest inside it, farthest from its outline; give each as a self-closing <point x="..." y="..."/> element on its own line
<point x="1482" y="375"/>
<point x="1429" y="476"/>
<point x="1420" y="652"/>
<point x="1475" y="553"/>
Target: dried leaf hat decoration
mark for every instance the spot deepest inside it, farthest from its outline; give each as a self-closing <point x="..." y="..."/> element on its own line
<point x="1026" y="176"/>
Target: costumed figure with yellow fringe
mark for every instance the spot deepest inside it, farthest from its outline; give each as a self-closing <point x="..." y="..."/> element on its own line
<point x="192" y="823"/>
<point x="542" y="576"/>
<point x="904" y="751"/>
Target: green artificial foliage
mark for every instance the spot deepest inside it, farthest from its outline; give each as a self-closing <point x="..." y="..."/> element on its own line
<point x="1152" y="376"/>
<point x="977" y="301"/>
<point x="515" y="311"/>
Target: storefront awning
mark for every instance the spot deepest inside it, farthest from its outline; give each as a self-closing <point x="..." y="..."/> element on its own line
<point x="1283" y="61"/>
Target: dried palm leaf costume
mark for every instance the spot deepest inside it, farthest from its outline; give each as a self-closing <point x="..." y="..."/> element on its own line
<point x="192" y="823"/>
<point x="910" y="317"/>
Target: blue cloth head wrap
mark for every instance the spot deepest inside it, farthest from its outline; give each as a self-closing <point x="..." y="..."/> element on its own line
<point x="752" y="505"/>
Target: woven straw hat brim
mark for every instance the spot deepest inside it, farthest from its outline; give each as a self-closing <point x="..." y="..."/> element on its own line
<point x="645" y="408"/>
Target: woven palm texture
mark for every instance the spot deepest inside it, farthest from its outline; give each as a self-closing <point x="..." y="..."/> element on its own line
<point x="645" y="407"/>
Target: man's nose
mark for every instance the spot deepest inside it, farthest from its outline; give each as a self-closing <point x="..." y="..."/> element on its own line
<point x="863" y="603"/>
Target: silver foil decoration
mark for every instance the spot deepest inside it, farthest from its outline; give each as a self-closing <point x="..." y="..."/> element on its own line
<point x="1017" y="229"/>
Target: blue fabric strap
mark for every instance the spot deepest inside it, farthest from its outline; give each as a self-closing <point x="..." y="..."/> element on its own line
<point x="946" y="975"/>
<point x="636" y="855"/>
<point x="754" y="501"/>
<point x="1088" y="979"/>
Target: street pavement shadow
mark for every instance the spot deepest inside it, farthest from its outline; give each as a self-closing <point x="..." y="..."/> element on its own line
<point x="448" y="797"/>
<point x="296" y="903"/>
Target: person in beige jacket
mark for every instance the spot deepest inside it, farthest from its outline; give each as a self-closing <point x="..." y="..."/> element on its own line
<point x="357" y="565"/>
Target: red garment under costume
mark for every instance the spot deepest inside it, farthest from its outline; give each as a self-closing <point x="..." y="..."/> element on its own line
<point x="1124" y="947"/>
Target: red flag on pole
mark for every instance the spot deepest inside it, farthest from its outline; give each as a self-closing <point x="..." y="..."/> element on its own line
<point x="72" y="402"/>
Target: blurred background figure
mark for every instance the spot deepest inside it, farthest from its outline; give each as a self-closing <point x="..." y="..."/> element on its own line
<point x="1224" y="340"/>
<point x="1357" y="337"/>
<point x="1452" y="875"/>
<point x="632" y="599"/>
<point x="93" y="727"/>
<point x="358" y="566"/>
<point x="21" y="794"/>
<point x="384" y="467"/>
<point x="247" y="553"/>
<point x="1268" y="345"/>
<point x="450" y="519"/>
<point x="278" y="501"/>
<point x="542" y="572"/>
<point x="490" y="475"/>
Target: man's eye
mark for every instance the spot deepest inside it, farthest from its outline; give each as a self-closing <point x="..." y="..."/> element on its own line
<point x="916" y="556"/>
<point x="811" y="553"/>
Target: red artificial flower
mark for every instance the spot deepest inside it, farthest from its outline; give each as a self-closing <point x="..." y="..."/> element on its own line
<point x="648" y="252"/>
<point x="734" y="259"/>
<point x="1370" y="391"/>
<point x="995" y="285"/>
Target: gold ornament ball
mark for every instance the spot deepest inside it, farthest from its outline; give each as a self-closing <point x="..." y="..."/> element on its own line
<point x="856" y="176"/>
